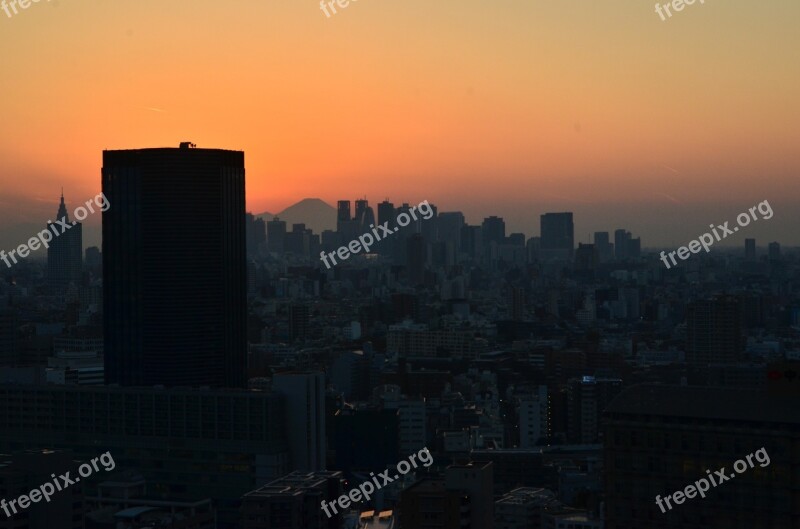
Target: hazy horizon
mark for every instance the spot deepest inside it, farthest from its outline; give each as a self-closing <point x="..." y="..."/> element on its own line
<point x="587" y="221"/>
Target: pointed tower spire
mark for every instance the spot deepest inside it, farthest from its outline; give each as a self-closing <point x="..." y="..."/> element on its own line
<point x="62" y="209"/>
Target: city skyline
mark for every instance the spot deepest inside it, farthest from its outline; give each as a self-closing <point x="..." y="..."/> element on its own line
<point x="355" y="264"/>
<point x="764" y="233"/>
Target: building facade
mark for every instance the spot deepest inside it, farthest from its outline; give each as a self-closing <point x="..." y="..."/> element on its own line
<point x="174" y="267"/>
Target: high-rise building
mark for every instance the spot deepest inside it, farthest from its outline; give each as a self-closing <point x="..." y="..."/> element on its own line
<point x="634" y="247"/>
<point x="343" y="211"/>
<point x="346" y="226"/>
<point x="411" y="416"/>
<point x="586" y="257"/>
<point x="367" y="220"/>
<point x="493" y="230"/>
<point x="625" y="246"/>
<point x="429" y="228"/>
<point x="256" y="233"/>
<point x="774" y="250"/>
<point x="330" y="241"/>
<point x="386" y="212"/>
<point x="448" y="230"/>
<point x="362" y="205"/>
<point x="305" y="417"/>
<point x="533" y="249"/>
<point x="450" y="224"/>
<point x="534" y="416"/>
<point x="417" y="254"/>
<point x="93" y="258"/>
<point x="587" y="397"/>
<point x="174" y="267"/>
<point x="516" y="303"/>
<point x="298" y="241"/>
<point x="558" y="236"/>
<point x="471" y="242"/>
<point x="658" y="439"/>
<point x="515" y="239"/>
<point x="299" y="318"/>
<point x="276" y="235"/>
<point x="65" y="252"/>
<point x="605" y="249"/>
<point x="8" y="337"/>
<point x="714" y="331"/>
<point x="750" y="249"/>
<point x="621" y="244"/>
<point x="349" y="374"/>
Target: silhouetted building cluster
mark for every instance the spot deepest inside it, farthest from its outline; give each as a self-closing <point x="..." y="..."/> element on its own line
<point x="240" y="383"/>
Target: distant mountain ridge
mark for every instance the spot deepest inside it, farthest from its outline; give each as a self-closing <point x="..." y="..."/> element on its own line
<point x="313" y="212"/>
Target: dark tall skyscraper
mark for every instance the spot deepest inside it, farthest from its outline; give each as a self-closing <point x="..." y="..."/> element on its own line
<point x="343" y="211"/>
<point x="449" y="229"/>
<point x="65" y="254"/>
<point x="714" y="331"/>
<point x="417" y="258"/>
<point x="635" y="247"/>
<point x="429" y="228"/>
<point x="471" y="241"/>
<point x="385" y="212"/>
<point x="93" y="258"/>
<point x="586" y="258"/>
<point x="750" y="249"/>
<point x="369" y="218"/>
<point x="276" y="235"/>
<point x="493" y="230"/>
<point x="346" y="226"/>
<point x="174" y="267"/>
<point x="343" y="216"/>
<point x="558" y="235"/>
<point x="587" y="397"/>
<point x="298" y="241"/>
<point x="621" y="244"/>
<point x="625" y="246"/>
<point x="8" y="337"/>
<point x="605" y="250"/>
<point x="361" y="210"/>
<point x="256" y="232"/>
<point x="774" y="249"/>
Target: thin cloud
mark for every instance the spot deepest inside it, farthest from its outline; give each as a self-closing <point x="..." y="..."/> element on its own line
<point x="675" y="200"/>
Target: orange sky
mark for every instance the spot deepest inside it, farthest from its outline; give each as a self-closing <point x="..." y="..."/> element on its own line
<point x="472" y="103"/>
